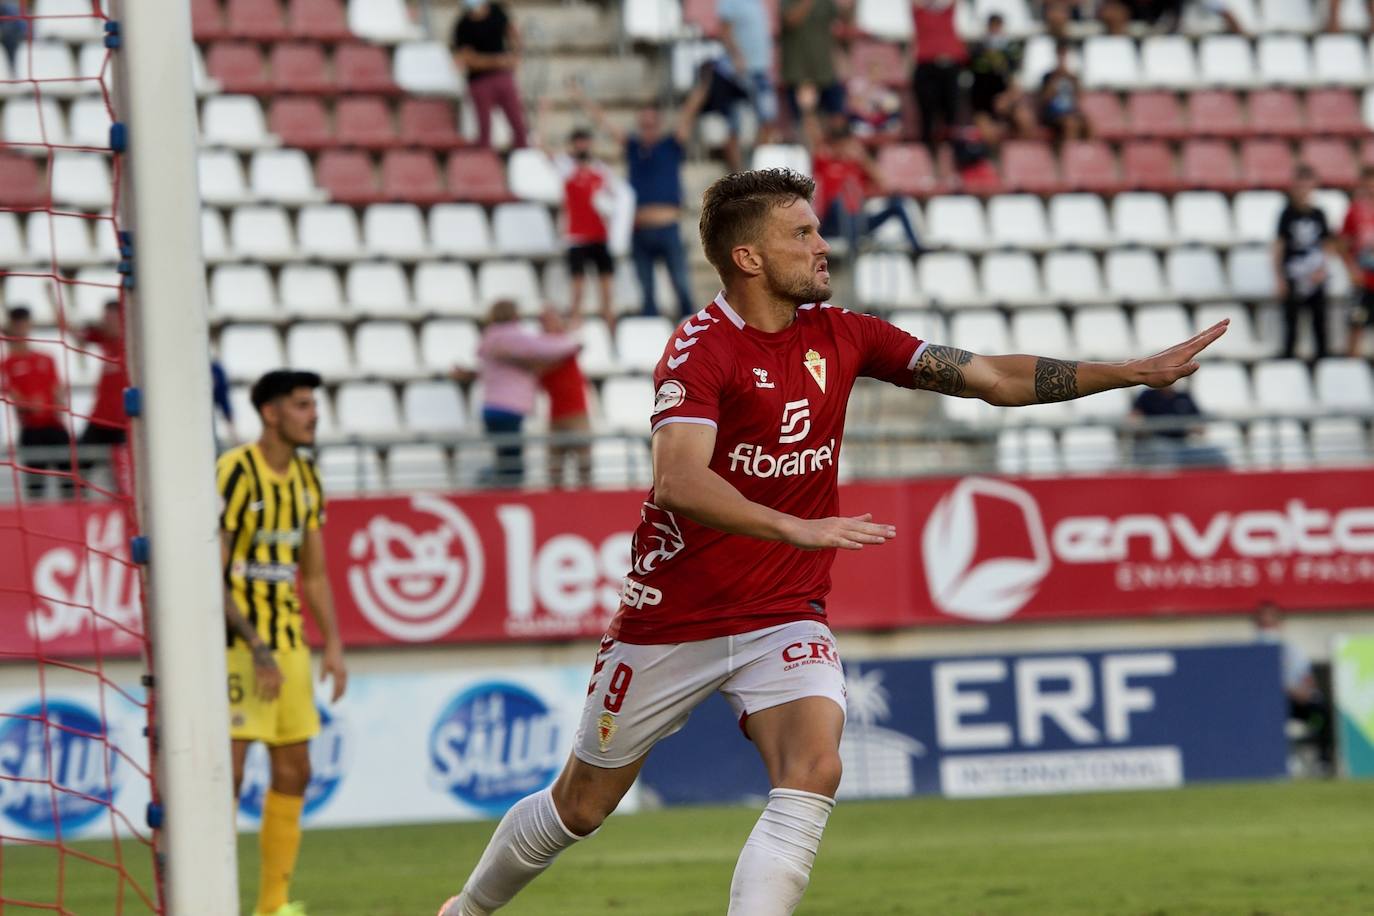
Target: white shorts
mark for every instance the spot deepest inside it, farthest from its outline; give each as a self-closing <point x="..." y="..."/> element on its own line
<point x="640" y="695"/>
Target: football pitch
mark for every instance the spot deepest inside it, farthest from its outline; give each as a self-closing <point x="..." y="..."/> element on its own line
<point x="1251" y="849"/>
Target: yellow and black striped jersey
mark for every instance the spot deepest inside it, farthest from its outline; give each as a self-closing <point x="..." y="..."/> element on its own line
<point x="266" y="515"/>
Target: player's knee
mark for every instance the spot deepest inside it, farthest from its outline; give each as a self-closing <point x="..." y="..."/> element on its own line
<point x="580" y="812"/>
<point x="819" y="773"/>
<point x="291" y="777"/>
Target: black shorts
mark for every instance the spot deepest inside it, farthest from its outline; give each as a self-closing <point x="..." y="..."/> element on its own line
<point x="595" y="254"/>
<point x="1362" y="308"/>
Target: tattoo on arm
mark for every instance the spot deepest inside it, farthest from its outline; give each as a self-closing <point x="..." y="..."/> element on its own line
<point x="940" y="369"/>
<point x="1055" y="380"/>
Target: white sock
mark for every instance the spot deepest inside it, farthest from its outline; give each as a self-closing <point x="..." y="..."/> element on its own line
<point x="526" y="842"/>
<point x="776" y="861"/>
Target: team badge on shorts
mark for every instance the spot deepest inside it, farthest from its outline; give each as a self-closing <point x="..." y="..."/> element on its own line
<point x="815" y="364"/>
<point x="605" y="730"/>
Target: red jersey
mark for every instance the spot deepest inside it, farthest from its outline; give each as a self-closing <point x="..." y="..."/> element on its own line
<point x="778" y="403"/>
<point x="1358" y="230"/>
<point x="108" y="409"/>
<point x="567" y="390"/>
<point x="582" y="182"/>
<point x="936" y="36"/>
<point x="29" y="380"/>
<point x="839" y="178"/>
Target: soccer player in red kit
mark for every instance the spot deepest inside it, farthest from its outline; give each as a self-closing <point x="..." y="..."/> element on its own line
<point x="731" y="560"/>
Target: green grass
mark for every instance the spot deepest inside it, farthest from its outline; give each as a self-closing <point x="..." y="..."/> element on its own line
<point x="1244" y="849"/>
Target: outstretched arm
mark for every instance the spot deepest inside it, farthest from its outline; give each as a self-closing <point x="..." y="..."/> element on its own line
<point x="1014" y="381"/>
<point x="595" y="112"/>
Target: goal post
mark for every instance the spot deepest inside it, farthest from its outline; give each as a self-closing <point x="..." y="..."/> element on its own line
<point x="169" y="364"/>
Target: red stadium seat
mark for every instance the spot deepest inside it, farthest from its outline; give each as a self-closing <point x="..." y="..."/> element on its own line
<point x="1335" y="112"/>
<point x="412" y="176"/>
<point x="1029" y="165"/>
<point x="255" y="20"/>
<point x="300" y="66"/>
<point x="1148" y="165"/>
<point x="1332" y="160"/>
<point x="207" y="20"/>
<point x="1090" y="165"/>
<point x="363" y="69"/>
<point x="318" y="20"/>
<point x="907" y="169"/>
<point x="364" y="121"/>
<point x="1105" y="115"/>
<point x="1276" y="113"/>
<point x="1209" y="164"/>
<point x="21" y="184"/>
<point x="239" y="67"/>
<point x="477" y="175"/>
<point x="302" y="122"/>
<point x="431" y="123"/>
<point x="1216" y="113"/>
<point x="1267" y="164"/>
<point x="1155" y="114"/>
<point x="348" y="176"/>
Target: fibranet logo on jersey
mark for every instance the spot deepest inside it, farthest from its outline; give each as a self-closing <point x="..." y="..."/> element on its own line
<point x="754" y="461"/>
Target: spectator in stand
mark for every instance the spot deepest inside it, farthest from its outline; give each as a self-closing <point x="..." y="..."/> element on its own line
<point x="511" y="359"/>
<point x="1300" y="266"/>
<point x="1163" y="15"/>
<point x="28" y="379"/>
<point x="873" y="106"/>
<point x="1356" y="244"/>
<point x="107" y="424"/>
<point x="1306" y="701"/>
<point x="486" y="44"/>
<point x="569" y="423"/>
<point x="846" y="176"/>
<point x="999" y="106"/>
<point x="1059" y="93"/>
<point x="1166" y="437"/>
<point x="748" y="38"/>
<point x="654" y="161"/>
<point x="808" y="50"/>
<point x="940" y="60"/>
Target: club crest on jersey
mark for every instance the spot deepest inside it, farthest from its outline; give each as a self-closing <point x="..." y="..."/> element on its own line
<point x="815" y="364"/>
<point x="670" y="394"/>
<point x="605" y="730"/>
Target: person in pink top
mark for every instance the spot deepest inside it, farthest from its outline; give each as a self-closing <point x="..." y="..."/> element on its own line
<point x="511" y="357"/>
<point x="940" y="60"/>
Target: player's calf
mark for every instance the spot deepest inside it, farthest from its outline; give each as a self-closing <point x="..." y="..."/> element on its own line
<point x="775" y="865"/>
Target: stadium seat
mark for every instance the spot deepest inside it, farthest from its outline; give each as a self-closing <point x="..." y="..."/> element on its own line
<point x="509" y="279"/>
<point x="652" y="21"/>
<point x="1287" y="16"/>
<point x="12" y="249"/>
<point x="207" y="20"/>
<point x="1257" y="214"/>
<point x="1155" y="115"/>
<point x="1113" y="405"/>
<point x="302" y="122"/>
<point x="1017" y="14"/>
<point x="1142" y="218"/>
<point x="639" y="341"/>
<point x="1276" y="112"/>
<point x="889" y="236"/>
<point x="1102" y="333"/>
<point x="461" y="230"/>
<point x="368" y="409"/>
<point x="350" y="468"/>
<point x="1029" y="165"/>
<point x="1017" y="221"/>
<point x="1209" y="164"/>
<point x="1110" y="62"/>
<point x="234" y="121"/>
<point x="1134" y="276"/>
<point x="1167" y="60"/>
<point x="360" y="69"/>
<point x="91" y="63"/>
<point x="923" y="324"/>
<point x="310" y="290"/>
<point x="1195" y="274"/>
<point x="1073" y="277"/>
<point x="1158" y="327"/>
<point x="283" y="176"/>
<point x="214" y="239"/>
<point x="81" y="181"/>
<point x="243" y="292"/>
<point x="1340" y="60"/>
<point x="1332" y="160"/>
<point x="1239" y="341"/>
<point x="1223" y="389"/>
<point x="238" y="66"/>
<point x="262" y="233"/>
<point x="1339" y="441"/>
<point x="1010" y="278"/>
<point x="329" y="232"/>
<point x="1148" y="165"/>
<point x="777" y="156"/>
<point x="1284" y="386"/>
<point x="1266" y="164"/>
<point x="377" y="288"/>
<point x="50" y="62"/>
<point x="28" y="121"/>
<point x="418" y="465"/>
<point x="956" y="221"/>
<point x="446" y="288"/>
<point x="597" y="359"/>
<point x="318" y="20"/>
<point x="626" y="404"/>
<point x="980" y="331"/>
<point x="1283" y="60"/>
<point x="947" y="279"/>
<point x="1216" y="113"/>
<point x="1079" y="219"/>
<point x="21" y="185"/>
<point x="1038" y="59"/>
<point x="429" y="122"/>
<point x="1226" y="61"/>
<point x="478" y="175"/>
<point x="365" y="122"/>
<point x="382" y="21"/>
<point x="1344" y="386"/>
<point x="1090" y="165"/>
<point x="1334" y="112"/>
<point x="1203" y="217"/>
<point x="908" y="169"/>
<point x="891" y="22"/>
<point x="448" y="342"/>
<point x="348" y="176"/>
<point x="524" y="230"/>
<point x="37" y="294"/>
<point x="395" y="231"/>
<point x="1278" y="444"/>
<point x="433" y="407"/>
<point x="426" y="68"/>
<point x="248" y="350"/>
<point x="1089" y="449"/>
<point x="386" y="349"/>
<point x="320" y="346"/>
<point x="90" y="122"/>
<point x="1229" y="439"/>
<point x="1106" y="117"/>
<point x="1041" y="331"/>
<point x="1027" y="451"/>
<point x="255" y="20"/>
<point x="412" y="176"/>
<point x="885" y="280"/>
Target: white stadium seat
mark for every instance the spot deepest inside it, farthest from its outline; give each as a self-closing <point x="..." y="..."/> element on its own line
<point x="1073" y="277"/>
<point x="886" y="20"/>
<point x="1011" y="278"/>
<point x="418" y="466"/>
<point x="627" y="402"/>
<point x="886" y="280"/>
<point x="1288" y="16"/>
<point x="214" y="240"/>
<point x="1167" y="61"/>
<point x="68" y="20"/>
<point x="249" y="350"/>
<point x="1044" y="331"/>
<point x="597" y="358"/>
<point x="461" y="231"/>
<point x="1112" y="404"/>
<point x="377" y="287"/>
<point x="948" y="279"/>
<point x="1278" y="444"/>
<point x="221" y="179"/>
<point x="448" y="342"/>
<point x="1080" y="219"/>
<point x="532" y="177"/>
<point x="329" y="232"/>
<point x="81" y="180"/>
<point x="524" y="230"/>
<point x="1089" y="449"/>
<point x="381" y="21"/>
<point x="1284" y="386"/>
<point x="1142" y="218"/>
<point x="1223" y="389"/>
<point x="1239" y="341"/>
<point x="90" y="122"/>
<point x="509" y="279"/>
<point x="27" y="120"/>
<point x="1257" y="215"/>
<point x="1283" y="60"/>
<point x="1018" y="221"/>
<point x="639" y="342"/>
<point x="1039" y="59"/>
<point x="1158" y="327"/>
<point x="68" y="241"/>
<point x="782" y="156"/>
<point x="243" y="292"/>
<point x="1195" y="274"/>
<point x="434" y="407"/>
<point x="1016" y="14"/>
<point x="652" y="21"/>
<point x="1110" y="62"/>
<point x="1102" y="333"/>
<point x="235" y="121"/>
<point x="320" y="346"/>
<point x="1228" y="437"/>
<point x="310" y="290"/>
<point x="1340" y="60"/>
<point x="1345" y="386"/>
<point x="395" y="231"/>
<point x="12" y="249"/>
<point x="262" y="233"/>
<point x="1203" y="217"/>
<point x="1251" y="273"/>
<point x="426" y="68"/>
<point x="929" y="326"/>
<point x="1226" y="60"/>
<point x="386" y="348"/>
<point x="446" y="288"/>
<point x="94" y="287"/>
<point x="349" y="469"/>
<point x="1134" y="275"/>
<point x="37" y="294"/>
<point x="980" y="331"/>
<point x="53" y="63"/>
<point x="284" y="176"/>
<point x="955" y="221"/>
<point x="1339" y="441"/>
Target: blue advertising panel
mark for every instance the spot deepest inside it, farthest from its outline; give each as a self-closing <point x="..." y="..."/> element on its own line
<point x="1018" y="725"/>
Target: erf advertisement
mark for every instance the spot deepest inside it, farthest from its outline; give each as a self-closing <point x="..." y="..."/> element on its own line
<point x="1018" y="725"/>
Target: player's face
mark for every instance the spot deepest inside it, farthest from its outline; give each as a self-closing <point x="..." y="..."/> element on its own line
<point x="795" y="263"/>
<point x="296" y="417"/>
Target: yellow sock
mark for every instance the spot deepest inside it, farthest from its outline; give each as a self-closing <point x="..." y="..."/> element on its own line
<point x="279" y="842"/>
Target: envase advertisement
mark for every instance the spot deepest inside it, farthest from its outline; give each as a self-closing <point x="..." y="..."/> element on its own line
<point x="1017" y="725"/>
<point x="509" y="566"/>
